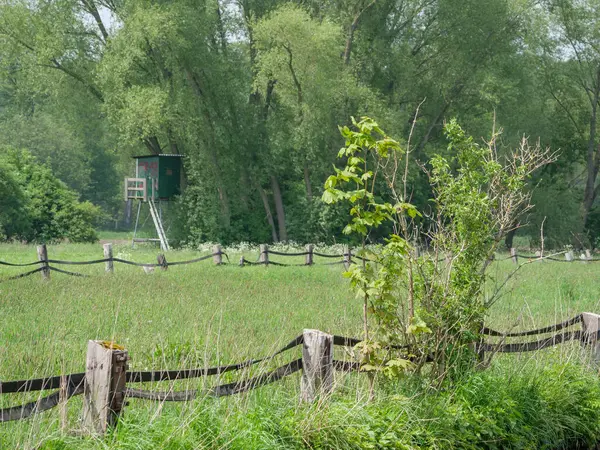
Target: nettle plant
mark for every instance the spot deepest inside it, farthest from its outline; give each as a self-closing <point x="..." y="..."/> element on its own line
<point x="428" y="307"/>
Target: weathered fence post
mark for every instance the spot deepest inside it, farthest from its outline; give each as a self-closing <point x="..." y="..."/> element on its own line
<point x="162" y="261"/>
<point x="108" y="254"/>
<point x="588" y="256"/>
<point x="309" y="255"/>
<point x="104" y="388"/>
<point x="514" y="256"/>
<point x="242" y="260"/>
<point x="590" y="325"/>
<point x="264" y="254"/>
<point x="317" y="365"/>
<point x="217" y="255"/>
<point x="569" y="256"/>
<point x="42" y="253"/>
<point x="347" y="257"/>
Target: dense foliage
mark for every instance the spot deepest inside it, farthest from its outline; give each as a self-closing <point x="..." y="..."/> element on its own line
<point x="38" y="207"/>
<point x="252" y="93"/>
<point x="431" y="306"/>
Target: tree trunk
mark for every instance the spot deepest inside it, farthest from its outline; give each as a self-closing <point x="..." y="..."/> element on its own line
<point x="309" y="194"/>
<point x="350" y="40"/>
<point x="352" y="29"/>
<point x="265" y="200"/>
<point x="508" y="240"/>
<point x="223" y="197"/>
<point x="153" y="145"/>
<point x="195" y="84"/>
<point x="279" y="208"/>
<point x="593" y="157"/>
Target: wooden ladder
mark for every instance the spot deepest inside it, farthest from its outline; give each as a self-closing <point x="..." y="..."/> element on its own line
<point x="164" y="243"/>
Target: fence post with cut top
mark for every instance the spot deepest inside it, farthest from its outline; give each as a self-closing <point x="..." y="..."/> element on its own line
<point x="309" y="255"/>
<point x="42" y="253"/>
<point x="217" y="255"/>
<point x="108" y="254"/>
<point x="104" y="388"/>
<point x="347" y="257"/>
<point x="162" y="262"/>
<point x="590" y="324"/>
<point x="513" y="255"/>
<point x="264" y="254"/>
<point x="317" y="365"/>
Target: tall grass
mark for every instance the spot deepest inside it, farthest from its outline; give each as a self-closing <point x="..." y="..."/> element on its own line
<point x="201" y="315"/>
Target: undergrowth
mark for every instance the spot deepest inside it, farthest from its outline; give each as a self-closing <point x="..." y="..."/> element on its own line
<point x="556" y="407"/>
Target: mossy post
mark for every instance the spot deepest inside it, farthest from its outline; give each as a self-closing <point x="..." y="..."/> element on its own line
<point x="309" y="255"/>
<point x="42" y="253"/>
<point x="317" y="365"/>
<point x="104" y="388"/>
<point x="264" y="254"/>
<point x="108" y="254"/>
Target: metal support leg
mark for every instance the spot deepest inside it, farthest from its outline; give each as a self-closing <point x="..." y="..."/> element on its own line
<point x="137" y="218"/>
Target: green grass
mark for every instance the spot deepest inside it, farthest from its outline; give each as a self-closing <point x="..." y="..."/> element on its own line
<point x="200" y="314"/>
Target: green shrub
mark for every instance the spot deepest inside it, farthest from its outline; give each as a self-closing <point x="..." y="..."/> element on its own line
<point x="13" y="203"/>
<point x="49" y="211"/>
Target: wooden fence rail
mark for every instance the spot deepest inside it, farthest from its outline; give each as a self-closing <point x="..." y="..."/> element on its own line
<point x="347" y="257"/>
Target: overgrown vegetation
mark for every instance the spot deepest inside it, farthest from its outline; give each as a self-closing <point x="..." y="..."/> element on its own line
<point x="38" y="207"/>
<point x="434" y="303"/>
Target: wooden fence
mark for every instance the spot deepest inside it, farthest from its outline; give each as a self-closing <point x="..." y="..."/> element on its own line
<point x="46" y="265"/>
<point x="568" y="256"/>
<point x="106" y="381"/>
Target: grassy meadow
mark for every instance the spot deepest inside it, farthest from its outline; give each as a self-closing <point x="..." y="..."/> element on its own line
<point x="201" y="315"/>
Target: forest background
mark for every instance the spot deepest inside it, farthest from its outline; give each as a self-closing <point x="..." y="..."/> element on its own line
<point x="252" y="93"/>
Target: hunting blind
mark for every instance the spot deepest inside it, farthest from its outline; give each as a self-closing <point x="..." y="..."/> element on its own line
<point x="158" y="178"/>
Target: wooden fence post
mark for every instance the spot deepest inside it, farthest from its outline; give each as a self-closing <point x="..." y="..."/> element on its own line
<point x="242" y="260"/>
<point x="347" y="257"/>
<point x="42" y="253"/>
<point x="217" y="255"/>
<point x="513" y="254"/>
<point x="108" y="254"/>
<point x="309" y="255"/>
<point x="590" y="325"/>
<point x="317" y="365"/>
<point x="104" y="388"/>
<point x="162" y="261"/>
<point x="588" y="256"/>
<point x="264" y="254"/>
<point x="569" y="256"/>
